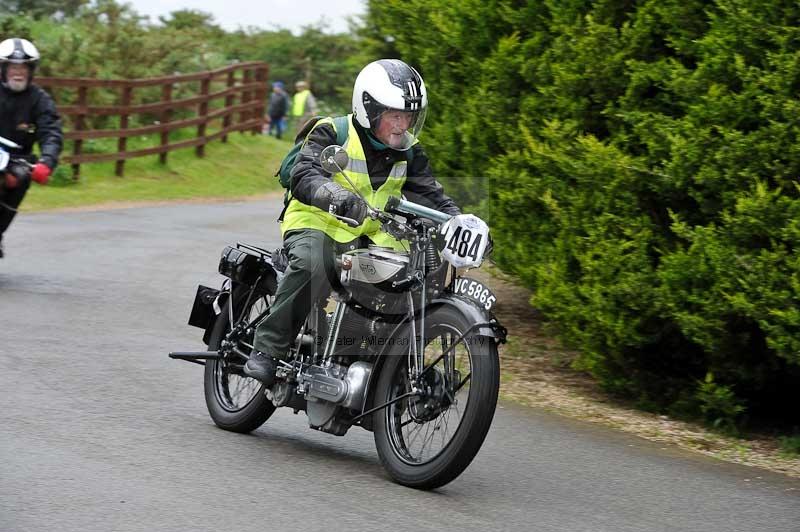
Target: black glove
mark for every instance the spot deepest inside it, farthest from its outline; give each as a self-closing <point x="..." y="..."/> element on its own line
<point x="335" y="199"/>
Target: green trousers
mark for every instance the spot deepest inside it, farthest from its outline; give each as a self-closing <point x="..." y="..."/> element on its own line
<point x="308" y="279"/>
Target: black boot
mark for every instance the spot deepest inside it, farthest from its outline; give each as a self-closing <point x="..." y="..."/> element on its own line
<point x="261" y="367"/>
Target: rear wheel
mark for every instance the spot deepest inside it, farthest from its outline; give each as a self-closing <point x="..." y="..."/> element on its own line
<point x="427" y="439"/>
<point x="235" y="401"/>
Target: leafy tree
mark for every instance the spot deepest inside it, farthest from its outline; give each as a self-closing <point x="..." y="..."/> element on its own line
<point x="190" y="19"/>
<point x="321" y="58"/>
<point x="43" y="8"/>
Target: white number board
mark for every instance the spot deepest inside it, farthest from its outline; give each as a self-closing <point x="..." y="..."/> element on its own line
<point x="465" y="240"/>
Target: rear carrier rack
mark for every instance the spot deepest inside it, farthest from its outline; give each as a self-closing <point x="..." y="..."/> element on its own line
<point x="242" y="263"/>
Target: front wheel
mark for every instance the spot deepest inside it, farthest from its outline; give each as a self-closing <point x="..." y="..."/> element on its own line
<point x="235" y="401"/>
<point x="427" y="439"/>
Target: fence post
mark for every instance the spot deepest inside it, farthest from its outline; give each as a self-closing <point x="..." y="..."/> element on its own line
<point x="261" y="96"/>
<point x="205" y="84"/>
<point x="122" y="143"/>
<point x="246" y="97"/>
<point x="229" y="99"/>
<point x="166" y="96"/>
<point x="80" y="124"/>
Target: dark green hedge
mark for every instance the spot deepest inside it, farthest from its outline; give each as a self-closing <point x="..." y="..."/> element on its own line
<point x="641" y="164"/>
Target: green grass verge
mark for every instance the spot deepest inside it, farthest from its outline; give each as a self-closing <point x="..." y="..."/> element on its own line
<point x="243" y="166"/>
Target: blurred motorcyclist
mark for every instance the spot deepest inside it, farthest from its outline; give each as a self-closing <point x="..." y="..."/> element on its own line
<point x="27" y="115"/>
<point x="385" y="159"/>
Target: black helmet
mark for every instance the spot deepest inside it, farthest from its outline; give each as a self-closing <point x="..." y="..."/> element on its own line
<point x="17" y="51"/>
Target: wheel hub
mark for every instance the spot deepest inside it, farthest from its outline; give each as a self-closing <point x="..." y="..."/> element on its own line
<point x="433" y="399"/>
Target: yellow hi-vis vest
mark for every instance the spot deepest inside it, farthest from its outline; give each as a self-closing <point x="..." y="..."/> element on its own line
<point x="299" y="102"/>
<point x="298" y="215"/>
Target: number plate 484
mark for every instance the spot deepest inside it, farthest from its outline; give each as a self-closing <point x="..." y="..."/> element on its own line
<point x="465" y="240"/>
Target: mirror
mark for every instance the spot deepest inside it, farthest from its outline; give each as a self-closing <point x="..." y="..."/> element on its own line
<point x="333" y="159"/>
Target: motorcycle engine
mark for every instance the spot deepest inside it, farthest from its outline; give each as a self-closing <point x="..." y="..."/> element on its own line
<point x="331" y="388"/>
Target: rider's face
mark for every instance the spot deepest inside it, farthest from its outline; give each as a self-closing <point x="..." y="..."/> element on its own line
<point x="17" y="76"/>
<point x="392" y="128"/>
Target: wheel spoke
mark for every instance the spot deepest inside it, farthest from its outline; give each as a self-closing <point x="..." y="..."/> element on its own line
<point x="418" y="430"/>
<point x="404" y="423"/>
<point x="424" y="440"/>
<point x="462" y="383"/>
<point x="446" y="417"/>
<point x="446" y="430"/>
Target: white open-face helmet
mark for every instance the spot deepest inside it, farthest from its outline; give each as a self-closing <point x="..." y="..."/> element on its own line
<point x="17" y="51"/>
<point x="390" y="85"/>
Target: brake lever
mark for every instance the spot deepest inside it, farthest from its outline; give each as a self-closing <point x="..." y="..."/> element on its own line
<point x="19" y="162"/>
<point x="349" y="221"/>
<point x="374" y="214"/>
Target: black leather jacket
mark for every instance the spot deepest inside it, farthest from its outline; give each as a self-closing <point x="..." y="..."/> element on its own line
<point x="420" y="186"/>
<point x="30" y="116"/>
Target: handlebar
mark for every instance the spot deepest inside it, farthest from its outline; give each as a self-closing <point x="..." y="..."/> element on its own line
<point x="7" y="161"/>
<point x="400" y="205"/>
<point x="334" y="159"/>
<point x="18" y="167"/>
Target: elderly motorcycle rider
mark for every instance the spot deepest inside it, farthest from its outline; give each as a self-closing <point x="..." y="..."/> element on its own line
<point x="385" y="159"/>
<point x="27" y="115"/>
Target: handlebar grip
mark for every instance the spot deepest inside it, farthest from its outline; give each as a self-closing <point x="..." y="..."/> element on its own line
<point x="400" y="205"/>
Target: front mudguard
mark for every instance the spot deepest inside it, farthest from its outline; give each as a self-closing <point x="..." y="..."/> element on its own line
<point x="484" y="320"/>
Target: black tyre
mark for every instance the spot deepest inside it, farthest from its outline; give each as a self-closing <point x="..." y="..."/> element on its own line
<point x="426" y="441"/>
<point x="235" y="401"/>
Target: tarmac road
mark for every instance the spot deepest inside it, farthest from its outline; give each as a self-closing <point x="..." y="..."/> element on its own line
<point x="102" y="432"/>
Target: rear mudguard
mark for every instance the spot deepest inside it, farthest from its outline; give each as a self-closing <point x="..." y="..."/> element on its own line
<point x="484" y="324"/>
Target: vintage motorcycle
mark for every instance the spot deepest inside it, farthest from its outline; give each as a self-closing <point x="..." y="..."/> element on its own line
<point x="409" y="350"/>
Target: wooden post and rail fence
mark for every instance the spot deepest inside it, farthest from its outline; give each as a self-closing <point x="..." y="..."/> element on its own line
<point x="231" y="98"/>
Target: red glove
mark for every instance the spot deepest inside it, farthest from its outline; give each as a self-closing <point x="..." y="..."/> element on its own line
<point x="41" y="173"/>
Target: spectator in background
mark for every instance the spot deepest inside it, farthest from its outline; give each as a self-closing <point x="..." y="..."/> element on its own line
<point x="304" y="106"/>
<point x="278" y="107"/>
